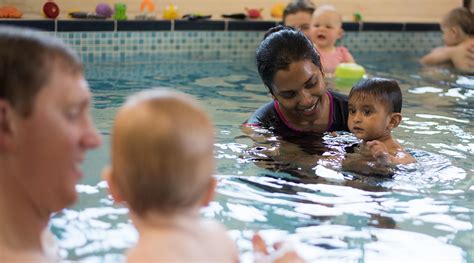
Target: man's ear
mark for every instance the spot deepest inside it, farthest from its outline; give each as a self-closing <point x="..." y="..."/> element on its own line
<point x="210" y="192"/>
<point x="6" y="123"/>
<point x="395" y="120"/>
<point x="107" y="175"/>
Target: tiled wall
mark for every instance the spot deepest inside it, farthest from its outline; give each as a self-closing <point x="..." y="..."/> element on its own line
<point x="101" y="45"/>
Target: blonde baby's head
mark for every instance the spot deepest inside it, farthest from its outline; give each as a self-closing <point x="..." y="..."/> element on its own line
<point x="327" y="23"/>
<point x="162" y="153"/>
<point x="457" y="26"/>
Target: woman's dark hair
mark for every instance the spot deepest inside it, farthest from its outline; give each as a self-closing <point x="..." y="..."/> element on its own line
<point x="386" y="91"/>
<point x="298" y="6"/>
<point x="281" y="46"/>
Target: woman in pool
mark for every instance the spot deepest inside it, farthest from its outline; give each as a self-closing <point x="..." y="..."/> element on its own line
<point x="290" y="67"/>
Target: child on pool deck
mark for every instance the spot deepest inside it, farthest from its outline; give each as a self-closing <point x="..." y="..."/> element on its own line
<point x="458" y="37"/>
<point x="162" y="167"/>
<point x="327" y="24"/>
<point x="374" y="111"/>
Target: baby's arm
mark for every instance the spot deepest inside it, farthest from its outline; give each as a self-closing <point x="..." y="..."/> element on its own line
<point x="381" y="153"/>
<point x="439" y="55"/>
<point x="463" y="56"/>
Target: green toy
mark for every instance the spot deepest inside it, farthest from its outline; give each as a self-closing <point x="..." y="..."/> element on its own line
<point x="120" y="12"/>
<point x="348" y="74"/>
<point x="357" y="17"/>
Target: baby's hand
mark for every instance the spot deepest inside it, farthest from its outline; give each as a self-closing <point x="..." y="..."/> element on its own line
<point x="379" y="151"/>
<point x="282" y="253"/>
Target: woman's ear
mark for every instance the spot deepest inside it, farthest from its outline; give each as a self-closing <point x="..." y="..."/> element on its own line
<point x="395" y="120"/>
<point x="107" y="175"/>
<point x="210" y="192"/>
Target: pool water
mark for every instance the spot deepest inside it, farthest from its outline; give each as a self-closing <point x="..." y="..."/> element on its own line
<point x="423" y="213"/>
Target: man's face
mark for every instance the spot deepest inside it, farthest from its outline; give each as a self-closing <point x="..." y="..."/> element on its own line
<point x="51" y="143"/>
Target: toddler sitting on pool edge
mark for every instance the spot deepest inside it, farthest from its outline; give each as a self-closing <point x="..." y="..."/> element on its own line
<point x="374" y="111"/>
<point x="162" y="168"/>
<point x="458" y="37"/>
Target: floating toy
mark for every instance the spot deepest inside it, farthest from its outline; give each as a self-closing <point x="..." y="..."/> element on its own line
<point x="51" y="9"/>
<point x="171" y="12"/>
<point x="10" y="12"/>
<point x="240" y="16"/>
<point x="120" y="11"/>
<point x="254" y="13"/>
<point x="347" y="74"/>
<point x="196" y="17"/>
<point x="277" y="10"/>
<point x="148" y="5"/>
<point x="104" y="10"/>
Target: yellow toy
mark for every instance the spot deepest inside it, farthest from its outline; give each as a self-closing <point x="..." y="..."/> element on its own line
<point x="171" y="12"/>
<point x="277" y="10"/>
<point x="347" y="74"/>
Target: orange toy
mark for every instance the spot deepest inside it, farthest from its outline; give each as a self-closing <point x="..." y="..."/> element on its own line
<point x="10" y="12"/>
<point x="148" y="4"/>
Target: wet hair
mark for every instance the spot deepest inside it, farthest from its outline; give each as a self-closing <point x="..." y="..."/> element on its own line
<point x="461" y="17"/>
<point x="281" y="46"/>
<point x="27" y="60"/>
<point x="383" y="90"/>
<point x="162" y="152"/>
<point x="297" y="6"/>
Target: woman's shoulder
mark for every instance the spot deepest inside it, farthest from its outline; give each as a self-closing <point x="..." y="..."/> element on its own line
<point x="262" y="114"/>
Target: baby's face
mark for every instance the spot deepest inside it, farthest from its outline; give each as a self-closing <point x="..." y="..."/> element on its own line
<point x="327" y="28"/>
<point x="368" y="118"/>
<point x="450" y="37"/>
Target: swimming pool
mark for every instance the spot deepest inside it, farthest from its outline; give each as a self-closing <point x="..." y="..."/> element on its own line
<point x="424" y="213"/>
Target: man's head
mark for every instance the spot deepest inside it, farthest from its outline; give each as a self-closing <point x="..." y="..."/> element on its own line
<point x="162" y="153"/>
<point x="27" y="59"/>
<point x="45" y="124"/>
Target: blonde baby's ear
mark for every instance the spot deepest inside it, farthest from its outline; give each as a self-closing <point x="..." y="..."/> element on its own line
<point x="395" y="120"/>
<point x="210" y="192"/>
<point x="107" y="174"/>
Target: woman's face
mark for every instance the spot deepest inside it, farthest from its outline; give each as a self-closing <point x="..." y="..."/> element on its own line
<point x="300" y="92"/>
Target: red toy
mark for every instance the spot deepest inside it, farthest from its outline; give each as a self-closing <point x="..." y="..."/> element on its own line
<point x="254" y="13"/>
<point x="51" y="9"/>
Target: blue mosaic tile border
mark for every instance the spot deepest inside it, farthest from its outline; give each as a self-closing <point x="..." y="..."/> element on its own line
<point x="81" y="25"/>
<point x="231" y="44"/>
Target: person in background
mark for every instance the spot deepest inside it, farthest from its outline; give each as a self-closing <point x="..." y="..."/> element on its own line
<point x="458" y="36"/>
<point x="327" y="24"/>
<point x="297" y="14"/>
<point x="45" y="131"/>
<point x="290" y="68"/>
<point x="374" y="111"/>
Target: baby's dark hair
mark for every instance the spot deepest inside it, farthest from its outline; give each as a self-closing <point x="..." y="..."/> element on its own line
<point x="281" y="46"/>
<point x="296" y="6"/>
<point x="461" y="17"/>
<point x="384" y="90"/>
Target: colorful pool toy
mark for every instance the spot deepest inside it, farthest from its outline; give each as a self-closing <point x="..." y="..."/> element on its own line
<point x="51" y="9"/>
<point x="347" y="74"/>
